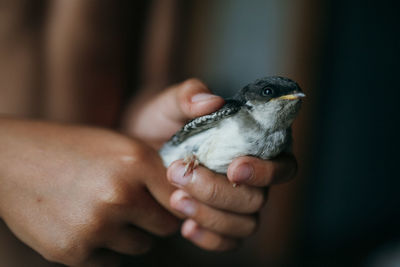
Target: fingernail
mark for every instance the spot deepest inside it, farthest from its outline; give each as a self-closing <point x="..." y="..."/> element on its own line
<point x="203" y="97"/>
<point x="178" y="176"/>
<point x="186" y="206"/>
<point x="192" y="231"/>
<point x="244" y="172"/>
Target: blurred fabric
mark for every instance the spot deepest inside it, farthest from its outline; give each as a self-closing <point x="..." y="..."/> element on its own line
<point x="343" y="209"/>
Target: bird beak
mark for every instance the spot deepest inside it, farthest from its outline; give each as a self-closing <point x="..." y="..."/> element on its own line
<point x="292" y="96"/>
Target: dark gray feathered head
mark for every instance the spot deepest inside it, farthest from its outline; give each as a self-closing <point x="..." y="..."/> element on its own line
<point x="267" y="88"/>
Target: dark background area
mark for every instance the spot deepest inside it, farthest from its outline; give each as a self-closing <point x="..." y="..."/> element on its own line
<point x="352" y="203"/>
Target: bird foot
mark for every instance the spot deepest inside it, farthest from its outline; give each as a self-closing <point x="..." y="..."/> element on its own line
<point x="191" y="163"/>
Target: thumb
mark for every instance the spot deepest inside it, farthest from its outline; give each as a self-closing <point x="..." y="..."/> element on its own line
<point x="159" y="119"/>
<point x="188" y="100"/>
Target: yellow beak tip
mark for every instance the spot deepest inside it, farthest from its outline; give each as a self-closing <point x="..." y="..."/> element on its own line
<point x="292" y="96"/>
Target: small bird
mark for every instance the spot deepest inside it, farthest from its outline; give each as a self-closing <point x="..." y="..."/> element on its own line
<point x="256" y="122"/>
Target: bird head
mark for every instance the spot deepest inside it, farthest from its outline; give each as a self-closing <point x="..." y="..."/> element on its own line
<point x="273" y="101"/>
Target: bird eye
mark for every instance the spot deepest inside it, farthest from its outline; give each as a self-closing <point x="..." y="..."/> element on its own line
<point x="267" y="91"/>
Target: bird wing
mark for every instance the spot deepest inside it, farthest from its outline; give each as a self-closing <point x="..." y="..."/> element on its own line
<point x="206" y="122"/>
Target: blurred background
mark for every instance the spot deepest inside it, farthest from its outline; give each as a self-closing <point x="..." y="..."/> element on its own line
<point x="83" y="61"/>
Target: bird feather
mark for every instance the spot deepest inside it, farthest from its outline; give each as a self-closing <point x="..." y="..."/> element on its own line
<point x="206" y="122"/>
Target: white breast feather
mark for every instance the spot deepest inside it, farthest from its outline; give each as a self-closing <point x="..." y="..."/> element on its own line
<point x="225" y="144"/>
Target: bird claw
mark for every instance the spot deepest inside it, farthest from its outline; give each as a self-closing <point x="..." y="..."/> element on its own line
<point x="191" y="163"/>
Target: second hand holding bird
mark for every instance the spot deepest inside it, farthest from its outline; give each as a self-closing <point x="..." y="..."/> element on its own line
<point x="214" y="220"/>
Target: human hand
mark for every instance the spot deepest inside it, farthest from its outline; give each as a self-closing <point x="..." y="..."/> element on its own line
<point x="72" y="192"/>
<point x="157" y="120"/>
<point x="218" y="214"/>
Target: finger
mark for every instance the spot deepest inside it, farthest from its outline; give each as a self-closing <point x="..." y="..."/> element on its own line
<point x="257" y="172"/>
<point x="148" y="165"/>
<point x="215" y="189"/>
<point x="151" y="216"/>
<point x="221" y="222"/>
<point x="206" y="239"/>
<point x="130" y="241"/>
<point x="188" y="100"/>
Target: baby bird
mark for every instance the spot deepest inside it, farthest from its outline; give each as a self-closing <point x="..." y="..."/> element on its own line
<point x="256" y="122"/>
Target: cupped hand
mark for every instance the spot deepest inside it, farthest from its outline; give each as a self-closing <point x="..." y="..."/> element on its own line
<point x="81" y="196"/>
<point x="218" y="215"/>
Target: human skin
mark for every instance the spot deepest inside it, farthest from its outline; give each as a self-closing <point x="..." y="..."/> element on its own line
<point x="69" y="191"/>
<point x="217" y="215"/>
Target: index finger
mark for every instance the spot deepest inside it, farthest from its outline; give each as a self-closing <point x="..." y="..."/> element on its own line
<point x="257" y="172"/>
<point x="215" y="190"/>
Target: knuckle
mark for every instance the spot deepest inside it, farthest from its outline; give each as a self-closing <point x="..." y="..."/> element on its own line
<point x="96" y="225"/>
<point x="66" y="251"/>
<point x="115" y="192"/>
<point x="93" y="225"/>
<point x="141" y="153"/>
<point x="211" y="195"/>
<point x="193" y="82"/>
